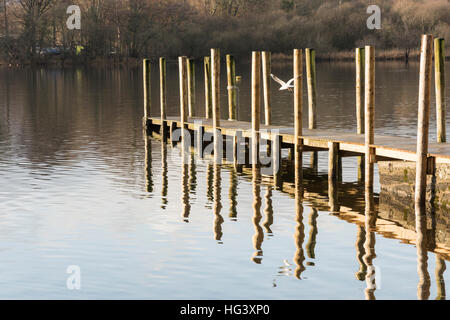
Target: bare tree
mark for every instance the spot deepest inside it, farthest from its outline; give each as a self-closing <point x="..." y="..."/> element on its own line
<point x="31" y="17"/>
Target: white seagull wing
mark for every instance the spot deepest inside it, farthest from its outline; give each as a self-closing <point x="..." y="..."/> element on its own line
<point x="281" y="82"/>
<point x="292" y="80"/>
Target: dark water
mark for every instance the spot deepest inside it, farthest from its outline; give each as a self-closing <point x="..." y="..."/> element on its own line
<point x="79" y="185"/>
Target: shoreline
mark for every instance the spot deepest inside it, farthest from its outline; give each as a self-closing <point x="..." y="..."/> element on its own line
<point x="394" y="55"/>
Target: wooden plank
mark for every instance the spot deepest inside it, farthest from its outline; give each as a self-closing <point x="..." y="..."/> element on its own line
<point x="391" y="147"/>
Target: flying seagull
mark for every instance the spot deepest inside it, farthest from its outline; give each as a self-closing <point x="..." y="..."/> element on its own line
<point x="284" y="86"/>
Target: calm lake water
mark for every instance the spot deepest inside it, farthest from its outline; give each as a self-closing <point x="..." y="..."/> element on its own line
<point x="75" y="189"/>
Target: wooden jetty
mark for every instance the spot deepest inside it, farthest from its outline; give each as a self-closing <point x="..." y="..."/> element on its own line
<point x="247" y="137"/>
<point x="349" y="144"/>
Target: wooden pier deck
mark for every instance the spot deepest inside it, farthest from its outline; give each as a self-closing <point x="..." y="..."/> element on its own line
<point x="350" y="144"/>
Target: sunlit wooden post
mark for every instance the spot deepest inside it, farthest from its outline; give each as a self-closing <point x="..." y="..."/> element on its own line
<point x="146" y="81"/>
<point x="298" y="115"/>
<point x="256" y="104"/>
<point x="369" y="114"/>
<point x="423" y="120"/>
<point x="208" y="89"/>
<point x="182" y="64"/>
<point x="276" y="159"/>
<point x="163" y="93"/>
<point x="333" y="149"/>
<point x="232" y="89"/>
<point x="215" y="71"/>
<point x="359" y="59"/>
<point x="266" y="69"/>
<point x="191" y="86"/>
<point x="439" y="74"/>
<point x="311" y="79"/>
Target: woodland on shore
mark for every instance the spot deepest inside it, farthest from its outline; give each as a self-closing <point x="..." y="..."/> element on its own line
<point x="124" y="30"/>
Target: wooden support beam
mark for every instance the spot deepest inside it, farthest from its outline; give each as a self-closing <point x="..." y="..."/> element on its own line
<point x="163" y="93"/>
<point x="369" y="113"/>
<point x="232" y="88"/>
<point x="208" y="88"/>
<point x="298" y="98"/>
<point x="276" y="159"/>
<point x="200" y="144"/>
<point x="267" y="69"/>
<point x="146" y="82"/>
<point x="239" y="151"/>
<point x="298" y="126"/>
<point x="333" y="151"/>
<point x="439" y="74"/>
<point x="359" y="59"/>
<point x="191" y="86"/>
<point x="182" y="65"/>
<point x="215" y="71"/>
<point x="311" y="79"/>
<point x="423" y="120"/>
<point x="256" y="104"/>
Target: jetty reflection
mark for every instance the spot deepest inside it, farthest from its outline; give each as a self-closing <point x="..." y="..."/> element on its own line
<point x="353" y="202"/>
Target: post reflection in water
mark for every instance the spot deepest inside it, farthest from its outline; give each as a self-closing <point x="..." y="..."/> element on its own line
<point x="164" y="176"/>
<point x="369" y="244"/>
<point x="333" y="202"/>
<point x="423" y="288"/>
<point x="148" y="164"/>
<point x="360" y="238"/>
<point x="209" y="182"/>
<point x="233" y="194"/>
<point x="217" y="207"/>
<point x="299" y="235"/>
<point x="440" y="283"/>
<point x="192" y="174"/>
<point x="268" y="211"/>
<point x="310" y="246"/>
<point x="258" y="237"/>
<point x="185" y="178"/>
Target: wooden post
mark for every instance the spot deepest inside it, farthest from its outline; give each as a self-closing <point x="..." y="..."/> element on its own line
<point x="215" y="68"/>
<point x="311" y="76"/>
<point x="146" y="78"/>
<point x="239" y="151"/>
<point x="200" y="144"/>
<point x="276" y="161"/>
<point x="208" y="89"/>
<point x="256" y="104"/>
<point x="298" y="100"/>
<point x="182" y="64"/>
<point x="439" y="74"/>
<point x="333" y="149"/>
<point x="423" y="121"/>
<point x="215" y="71"/>
<point x="232" y="89"/>
<point x="191" y="86"/>
<point x="163" y="91"/>
<point x="298" y="126"/>
<point x="369" y="114"/>
<point x="267" y="70"/>
<point x="359" y="59"/>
